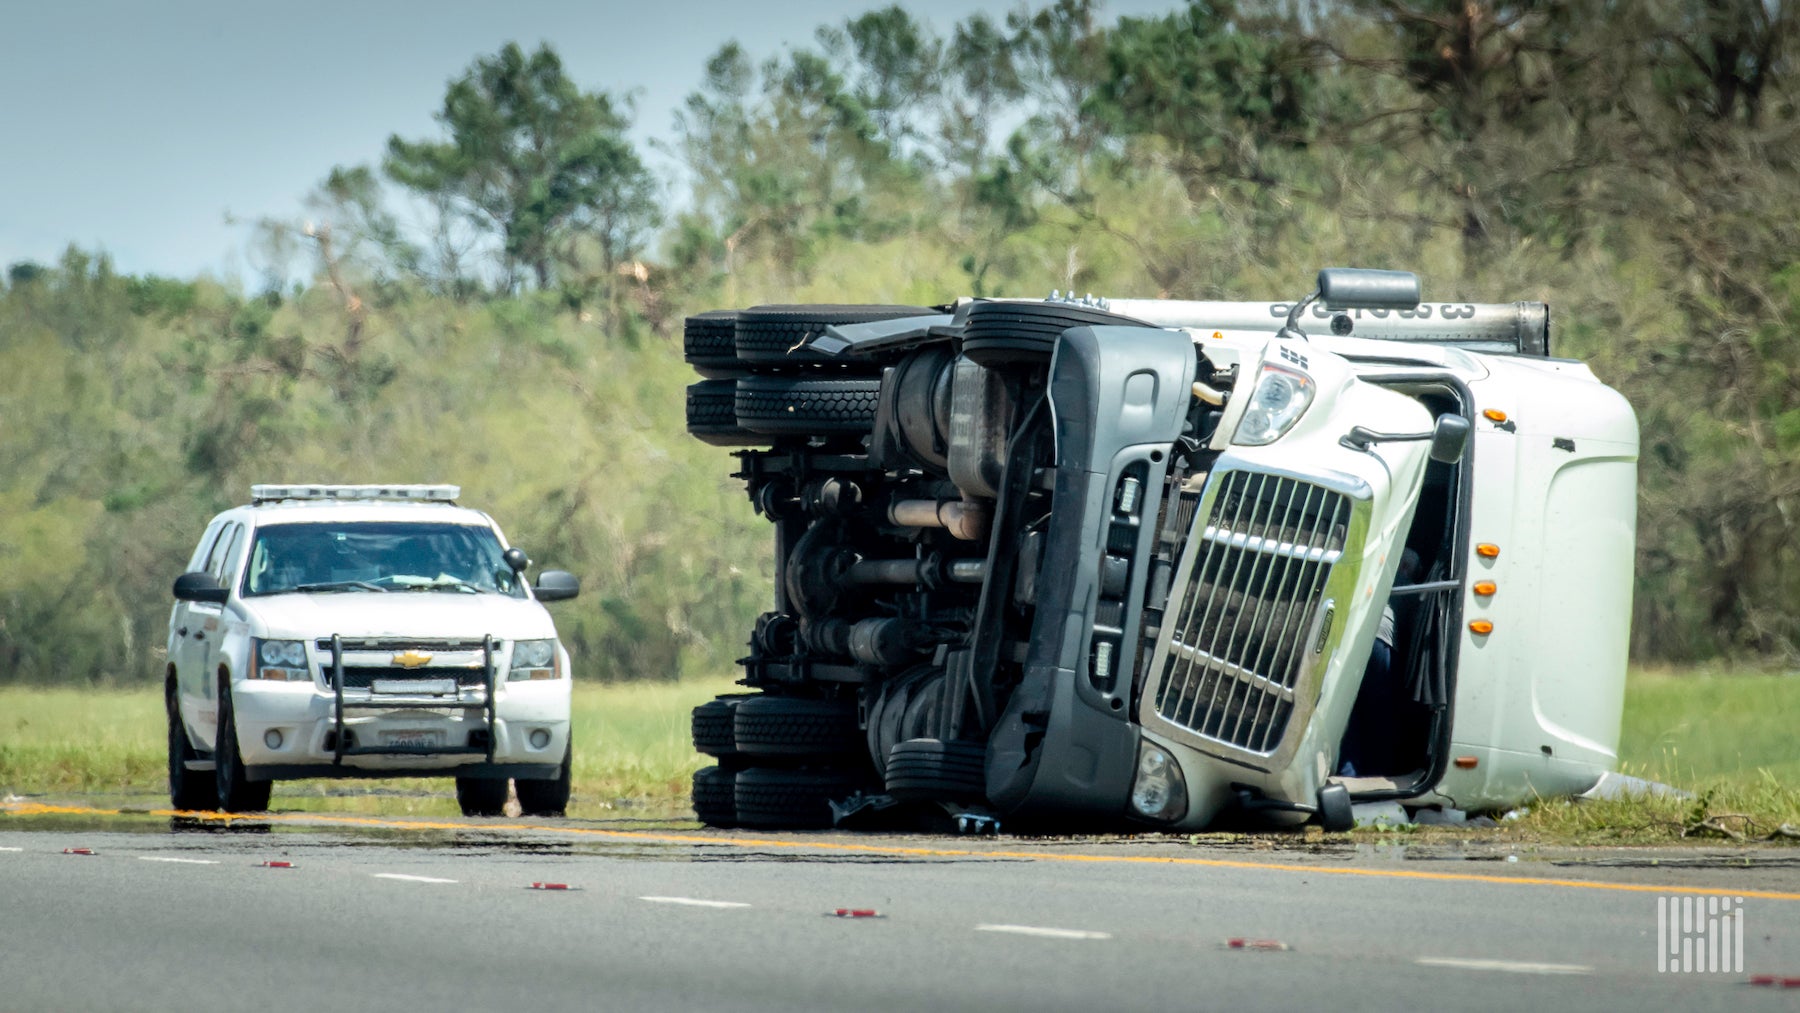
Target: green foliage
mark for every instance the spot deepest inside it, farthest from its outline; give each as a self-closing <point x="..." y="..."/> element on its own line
<point x="1628" y="163"/>
<point x="532" y="158"/>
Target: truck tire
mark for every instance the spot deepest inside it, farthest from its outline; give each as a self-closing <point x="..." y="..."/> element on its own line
<point x="715" y="797"/>
<point x="712" y="415"/>
<point x="920" y="769"/>
<point x="709" y="344"/>
<point x="781" y="406"/>
<point x="786" y="726"/>
<point x="774" y="798"/>
<point x="189" y="790"/>
<point x="548" y="797"/>
<point x="770" y="335"/>
<point x="1000" y="333"/>
<point x="481" y="796"/>
<point x="236" y="795"/>
<point x="712" y="725"/>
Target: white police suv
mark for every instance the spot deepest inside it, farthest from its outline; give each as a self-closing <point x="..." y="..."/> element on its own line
<point x="365" y="631"/>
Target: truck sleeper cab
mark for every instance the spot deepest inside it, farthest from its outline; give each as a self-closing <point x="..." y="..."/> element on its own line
<point x="1202" y="527"/>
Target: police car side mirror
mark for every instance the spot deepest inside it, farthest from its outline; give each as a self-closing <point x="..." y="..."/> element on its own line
<point x="200" y="587"/>
<point x="557" y="585"/>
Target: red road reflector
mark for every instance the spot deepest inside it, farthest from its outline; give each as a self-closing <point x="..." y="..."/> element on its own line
<point x="78" y="851"/>
<point x="275" y="865"/>
<point x="856" y="912"/>
<point x="551" y="886"/>
<point x="1256" y="944"/>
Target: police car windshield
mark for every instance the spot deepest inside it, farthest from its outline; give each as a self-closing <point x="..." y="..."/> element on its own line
<point x="378" y="556"/>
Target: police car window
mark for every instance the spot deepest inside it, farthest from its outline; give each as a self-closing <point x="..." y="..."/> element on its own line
<point x="224" y="551"/>
<point x="202" y="551"/>
<point x="377" y="556"/>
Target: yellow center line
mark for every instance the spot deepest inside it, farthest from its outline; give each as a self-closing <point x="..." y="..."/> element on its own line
<point x="323" y="819"/>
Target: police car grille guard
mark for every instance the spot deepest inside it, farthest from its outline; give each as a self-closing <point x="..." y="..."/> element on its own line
<point x="390" y="702"/>
<point x="1244" y="626"/>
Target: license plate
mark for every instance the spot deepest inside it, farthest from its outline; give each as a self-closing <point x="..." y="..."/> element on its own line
<point x="413" y="737"/>
<point x="414" y="687"/>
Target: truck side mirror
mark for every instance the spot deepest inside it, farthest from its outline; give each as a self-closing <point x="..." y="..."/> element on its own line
<point x="200" y="587"/>
<point x="557" y="585"/>
<point x="1449" y="438"/>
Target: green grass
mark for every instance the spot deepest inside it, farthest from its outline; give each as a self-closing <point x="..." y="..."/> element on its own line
<point x="631" y="751"/>
<point x="1727" y="736"/>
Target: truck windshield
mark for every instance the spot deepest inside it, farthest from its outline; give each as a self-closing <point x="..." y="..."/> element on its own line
<point x="378" y="556"/>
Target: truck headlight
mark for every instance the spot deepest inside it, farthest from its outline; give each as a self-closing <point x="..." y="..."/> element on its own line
<point x="279" y="660"/>
<point x="534" y="659"/>
<point x="1280" y="398"/>
<point x="1160" y="791"/>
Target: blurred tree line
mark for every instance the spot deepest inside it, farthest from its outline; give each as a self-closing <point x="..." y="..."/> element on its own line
<point x="498" y="306"/>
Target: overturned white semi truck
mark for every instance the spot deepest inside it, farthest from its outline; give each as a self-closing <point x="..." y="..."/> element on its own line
<point x="1083" y="563"/>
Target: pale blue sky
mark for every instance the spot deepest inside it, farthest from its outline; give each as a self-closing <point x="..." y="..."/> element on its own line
<point x="136" y="127"/>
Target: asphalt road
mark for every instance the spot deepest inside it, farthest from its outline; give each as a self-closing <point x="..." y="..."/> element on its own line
<point x="377" y="914"/>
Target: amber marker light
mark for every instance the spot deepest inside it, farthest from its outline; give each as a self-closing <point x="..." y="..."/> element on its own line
<point x="1481" y="626"/>
<point x="1488" y="550"/>
<point x="1466" y="762"/>
<point x="1486" y="588"/>
<point x="1493" y="415"/>
<point x="1218" y="336"/>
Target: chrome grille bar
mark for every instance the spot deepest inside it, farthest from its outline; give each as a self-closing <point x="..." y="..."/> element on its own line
<point x="1254" y="593"/>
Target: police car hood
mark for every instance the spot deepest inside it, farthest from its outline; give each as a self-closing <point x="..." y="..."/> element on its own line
<point x="421" y="614"/>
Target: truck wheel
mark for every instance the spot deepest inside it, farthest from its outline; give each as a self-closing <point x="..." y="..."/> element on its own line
<point x="1335" y="814"/>
<point x="998" y="333"/>
<point x="713" y="723"/>
<point x="788" y="726"/>
<point x="780" y="406"/>
<point x="546" y="797"/>
<point x="712" y="415"/>
<point x="769" y="335"/>
<point x="709" y="343"/>
<point x="236" y="795"/>
<point x="192" y="790"/>
<point x="775" y="798"/>
<point x="481" y="796"/>
<point x="715" y="797"/>
<point x="931" y="769"/>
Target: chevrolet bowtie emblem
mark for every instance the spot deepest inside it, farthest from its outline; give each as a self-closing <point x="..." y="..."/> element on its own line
<point x="412" y="659"/>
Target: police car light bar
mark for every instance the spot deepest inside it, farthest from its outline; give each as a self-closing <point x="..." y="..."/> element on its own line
<point x="425" y="493"/>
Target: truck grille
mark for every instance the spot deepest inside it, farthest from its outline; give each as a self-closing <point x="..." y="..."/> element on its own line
<point x="1240" y="626"/>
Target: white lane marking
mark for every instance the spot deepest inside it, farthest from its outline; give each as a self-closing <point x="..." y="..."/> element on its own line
<point x="1512" y="966"/>
<point x="1035" y="930"/>
<point x="182" y="861"/>
<point x="694" y="902"/>
<point x="403" y="877"/>
<point x="12" y="849"/>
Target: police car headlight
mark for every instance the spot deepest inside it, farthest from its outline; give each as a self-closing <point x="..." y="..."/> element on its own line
<point x="281" y="660"/>
<point x="534" y="659"/>
<point x="1280" y="398"/>
<point x="1160" y="791"/>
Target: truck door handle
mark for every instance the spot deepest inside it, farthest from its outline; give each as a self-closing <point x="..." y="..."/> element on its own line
<point x="199" y="636"/>
<point x="182" y="632"/>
